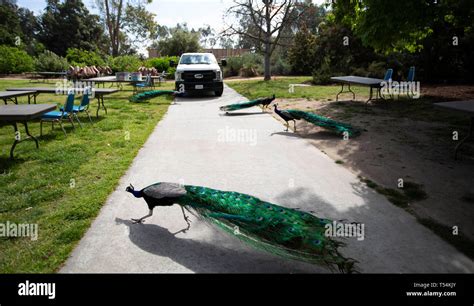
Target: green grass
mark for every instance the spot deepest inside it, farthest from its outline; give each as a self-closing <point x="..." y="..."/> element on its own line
<point x="253" y="89"/>
<point x="421" y="109"/>
<point x="62" y="186"/>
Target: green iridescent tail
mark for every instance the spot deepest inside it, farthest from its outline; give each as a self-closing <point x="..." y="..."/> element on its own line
<point x="324" y="122"/>
<point x="237" y="106"/>
<point x="143" y="96"/>
<point x="279" y="230"/>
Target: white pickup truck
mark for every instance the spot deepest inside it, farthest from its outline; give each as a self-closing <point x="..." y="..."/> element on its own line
<point x="199" y="72"/>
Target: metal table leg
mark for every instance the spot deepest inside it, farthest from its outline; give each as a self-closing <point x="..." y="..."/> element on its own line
<point x="18" y="139"/>
<point x="342" y="90"/>
<point x="103" y="105"/>
<point x="98" y="107"/>
<point x="100" y="100"/>
<point x="371" y="94"/>
<point x="471" y="127"/>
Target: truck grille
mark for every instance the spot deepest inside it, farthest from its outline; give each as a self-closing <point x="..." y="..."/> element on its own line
<point x="198" y="76"/>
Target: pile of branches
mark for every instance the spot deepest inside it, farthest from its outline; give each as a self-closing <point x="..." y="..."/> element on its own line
<point x="148" y="71"/>
<point x="88" y="72"/>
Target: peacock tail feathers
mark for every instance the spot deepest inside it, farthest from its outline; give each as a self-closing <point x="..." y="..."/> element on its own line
<point x="279" y="230"/>
<point x="237" y="106"/>
<point x="325" y="122"/>
<point x="143" y="96"/>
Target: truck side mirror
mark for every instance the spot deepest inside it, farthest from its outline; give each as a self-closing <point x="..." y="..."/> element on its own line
<point x="223" y="63"/>
<point x="172" y="64"/>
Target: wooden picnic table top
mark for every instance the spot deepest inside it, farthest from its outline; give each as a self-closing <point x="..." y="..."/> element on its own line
<point x="99" y="91"/>
<point x="12" y="94"/>
<point x="24" y="112"/>
<point x="358" y="80"/>
<point x="459" y="106"/>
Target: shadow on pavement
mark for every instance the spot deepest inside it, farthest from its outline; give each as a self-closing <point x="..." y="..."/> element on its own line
<point x="204" y="257"/>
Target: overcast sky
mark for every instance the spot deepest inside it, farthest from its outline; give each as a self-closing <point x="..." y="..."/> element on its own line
<point x="196" y="13"/>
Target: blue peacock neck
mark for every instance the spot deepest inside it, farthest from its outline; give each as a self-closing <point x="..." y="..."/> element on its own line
<point x="137" y="193"/>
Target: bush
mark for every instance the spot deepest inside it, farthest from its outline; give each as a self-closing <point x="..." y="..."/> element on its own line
<point x="170" y="73"/>
<point x="50" y="61"/>
<point x="377" y="69"/>
<point x="14" y="60"/>
<point x="281" y="67"/>
<point x="253" y="61"/>
<point x="79" y="57"/>
<point x="129" y="63"/>
<point x="323" y="74"/>
<point x="163" y="64"/>
<point x="234" y="64"/>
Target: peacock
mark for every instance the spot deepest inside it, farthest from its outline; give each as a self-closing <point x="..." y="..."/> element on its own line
<point x="279" y="230"/>
<point x="285" y="115"/>
<point x="265" y="102"/>
<point x="318" y="120"/>
<point x="143" y="96"/>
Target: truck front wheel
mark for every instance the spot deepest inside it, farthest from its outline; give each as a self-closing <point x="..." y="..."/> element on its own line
<point x="219" y="92"/>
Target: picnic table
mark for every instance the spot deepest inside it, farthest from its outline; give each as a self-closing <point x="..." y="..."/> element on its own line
<point x="362" y="81"/>
<point x="99" y="93"/>
<point x="14" y="114"/>
<point x="464" y="107"/>
<point x="13" y="96"/>
<point x="47" y="74"/>
<point x="113" y="79"/>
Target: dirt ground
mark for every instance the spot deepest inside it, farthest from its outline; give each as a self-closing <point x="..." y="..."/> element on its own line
<point x="412" y="146"/>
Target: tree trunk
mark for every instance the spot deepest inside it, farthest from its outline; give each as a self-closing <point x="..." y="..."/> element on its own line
<point x="268" y="39"/>
<point x="267" y="74"/>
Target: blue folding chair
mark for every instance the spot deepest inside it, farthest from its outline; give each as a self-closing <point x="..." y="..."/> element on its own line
<point x="388" y="75"/>
<point x="83" y="107"/>
<point x="147" y="84"/>
<point x="387" y="78"/>
<point x="410" y="79"/>
<point x="411" y="74"/>
<point x="58" y="116"/>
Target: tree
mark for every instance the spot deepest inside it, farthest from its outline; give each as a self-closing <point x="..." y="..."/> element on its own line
<point x="302" y="54"/>
<point x="127" y="22"/>
<point x="208" y="36"/>
<point x="267" y="20"/>
<point x="419" y="31"/>
<point x="179" y="40"/>
<point x="9" y="24"/>
<point x="69" y="24"/>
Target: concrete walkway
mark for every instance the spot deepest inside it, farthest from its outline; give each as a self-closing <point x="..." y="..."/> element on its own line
<point x="195" y="144"/>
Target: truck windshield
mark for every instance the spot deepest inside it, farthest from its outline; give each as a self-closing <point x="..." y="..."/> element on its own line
<point x="194" y="59"/>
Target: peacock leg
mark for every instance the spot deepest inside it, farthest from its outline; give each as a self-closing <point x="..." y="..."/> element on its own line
<point x="141" y="220"/>
<point x="186" y="218"/>
<point x="294" y="124"/>
<point x="287" y="126"/>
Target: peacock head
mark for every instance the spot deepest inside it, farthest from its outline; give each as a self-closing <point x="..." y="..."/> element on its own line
<point x="130" y="189"/>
